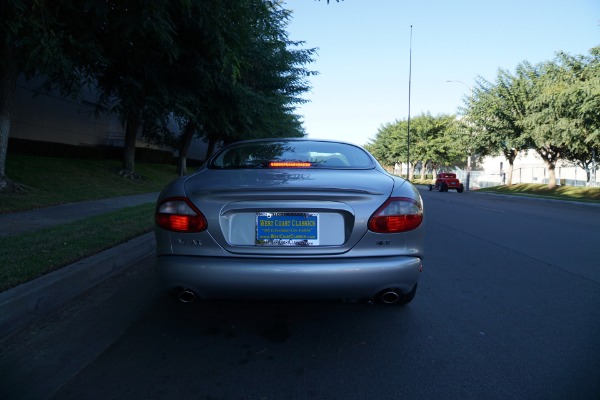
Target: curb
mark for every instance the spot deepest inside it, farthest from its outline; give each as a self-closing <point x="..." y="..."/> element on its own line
<point x="540" y="198"/>
<point x="526" y="197"/>
<point x="26" y="302"/>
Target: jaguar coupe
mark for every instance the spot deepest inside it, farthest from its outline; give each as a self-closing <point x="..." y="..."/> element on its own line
<point x="290" y="219"/>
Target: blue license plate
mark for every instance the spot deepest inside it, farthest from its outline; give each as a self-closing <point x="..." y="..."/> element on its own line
<point x="287" y="229"/>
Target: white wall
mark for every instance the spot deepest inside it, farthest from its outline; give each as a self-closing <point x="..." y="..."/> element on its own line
<point x="530" y="168"/>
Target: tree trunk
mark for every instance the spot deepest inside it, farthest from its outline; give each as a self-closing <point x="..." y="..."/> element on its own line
<point x="433" y="171"/>
<point x="131" y="129"/>
<point x="511" y="156"/>
<point x="8" y="84"/>
<point x="551" y="175"/>
<point x="212" y="143"/>
<point x="588" y="175"/>
<point x="550" y="155"/>
<point x="509" y="173"/>
<point x="184" y="147"/>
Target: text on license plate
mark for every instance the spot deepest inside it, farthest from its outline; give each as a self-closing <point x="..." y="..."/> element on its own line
<point x="287" y="229"/>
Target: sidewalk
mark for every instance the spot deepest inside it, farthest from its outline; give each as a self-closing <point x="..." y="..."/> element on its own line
<point x="24" y="303"/>
<point x="31" y="220"/>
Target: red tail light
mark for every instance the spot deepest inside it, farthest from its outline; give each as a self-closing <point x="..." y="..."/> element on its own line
<point x="180" y="215"/>
<point x="397" y="214"/>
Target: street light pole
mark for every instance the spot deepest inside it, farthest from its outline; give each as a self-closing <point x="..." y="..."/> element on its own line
<point x="468" y="87"/>
<point x="468" y="180"/>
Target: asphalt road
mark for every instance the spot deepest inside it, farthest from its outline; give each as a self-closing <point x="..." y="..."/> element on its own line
<point x="508" y="307"/>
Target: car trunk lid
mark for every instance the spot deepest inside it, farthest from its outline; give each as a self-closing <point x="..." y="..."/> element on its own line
<point x="289" y="212"/>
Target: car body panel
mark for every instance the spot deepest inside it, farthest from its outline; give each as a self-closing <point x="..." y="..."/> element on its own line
<point x="314" y="278"/>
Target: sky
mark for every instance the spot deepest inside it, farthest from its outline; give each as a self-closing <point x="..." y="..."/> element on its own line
<point x="368" y="55"/>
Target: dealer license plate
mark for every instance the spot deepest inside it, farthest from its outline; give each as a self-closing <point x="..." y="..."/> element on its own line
<point x="287" y="229"/>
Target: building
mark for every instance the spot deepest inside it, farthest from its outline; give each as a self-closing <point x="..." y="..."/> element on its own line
<point x="48" y="117"/>
<point x="529" y="168"/>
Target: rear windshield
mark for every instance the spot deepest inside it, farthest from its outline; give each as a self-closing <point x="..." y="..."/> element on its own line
<point x="292" y="154"/>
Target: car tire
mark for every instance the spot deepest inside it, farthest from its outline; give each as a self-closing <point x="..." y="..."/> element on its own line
<point x="461" y="188"/>
<point x="430" y="188"/>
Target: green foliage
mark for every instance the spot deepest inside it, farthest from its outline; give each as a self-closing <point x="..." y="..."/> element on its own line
<point x="493" y="117"/>
<point x="60" y="180"/>
<point x="390" y="143"/>
<point x="570" y="193"/>
<point x="228" y="68"/>
<point x="270" y="78"/>
<point x="33" y="41"/>
<point x="433" y="141"/>
<point x="33" y="38"/>
<point x="51" y="180"/>
<point x="551" y="108"/>
<point x="29" y="255"/>
<point x="563" y="118"/>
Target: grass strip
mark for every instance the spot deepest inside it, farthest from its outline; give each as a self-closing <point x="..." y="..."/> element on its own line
<point x="52" y="180"/>
<point x="27" y="256"/>
<point x="571" y="193"/>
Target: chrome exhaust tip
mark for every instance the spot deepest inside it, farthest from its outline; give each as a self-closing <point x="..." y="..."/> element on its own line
<point x="186" y="296"/>
<point x="389" y="296"/>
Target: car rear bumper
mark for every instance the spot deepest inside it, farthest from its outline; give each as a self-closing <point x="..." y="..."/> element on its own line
<point x="305" y="278"/>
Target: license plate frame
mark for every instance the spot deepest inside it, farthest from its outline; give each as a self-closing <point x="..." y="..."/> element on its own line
<point x="281" y="229"/>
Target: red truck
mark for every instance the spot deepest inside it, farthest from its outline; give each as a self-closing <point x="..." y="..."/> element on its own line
<point x="446" y="181"/>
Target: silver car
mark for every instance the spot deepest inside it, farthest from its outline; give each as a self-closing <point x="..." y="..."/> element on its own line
<point x="290" y="218"/>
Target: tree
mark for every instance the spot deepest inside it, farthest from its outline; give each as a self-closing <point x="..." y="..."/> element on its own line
<point x="496" y="113"/>
<point x="33" y="41"/>
<point x="225" y="70"/>
<point x="558" y="125"/>
<point x="390" y="143"/>
<point x="207" y="33"/>
<point x="136" y="43"/>
<point x="431" y="142"/>
<point x="574" y="96"/>
<point x="551" y="108"/>
<point x="435" y="141"/>
<point x="237" y="75"/>
<point x="271" y="77"/>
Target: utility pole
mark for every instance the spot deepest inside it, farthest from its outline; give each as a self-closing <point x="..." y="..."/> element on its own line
<point x="408" y="130"/>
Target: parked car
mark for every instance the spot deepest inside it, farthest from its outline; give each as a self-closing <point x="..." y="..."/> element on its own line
<point x="290" y="218"/>
<point x="445" y="181"/>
